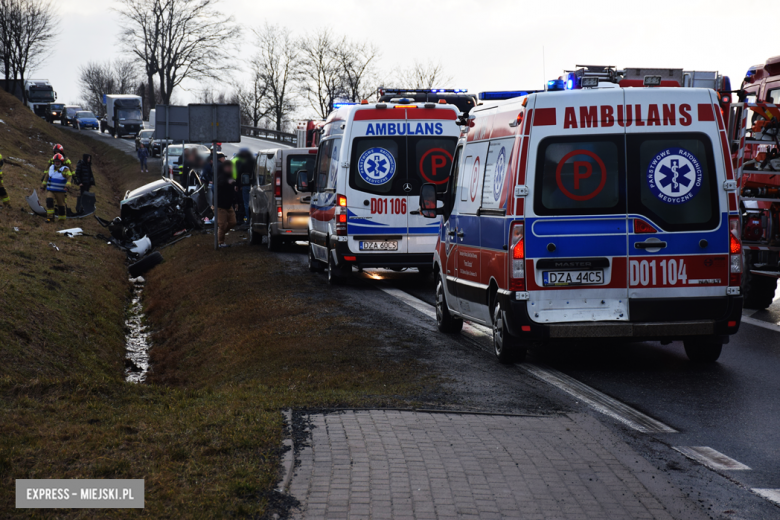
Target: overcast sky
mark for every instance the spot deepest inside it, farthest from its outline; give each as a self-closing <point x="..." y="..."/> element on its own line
<point x="483" y="45"/>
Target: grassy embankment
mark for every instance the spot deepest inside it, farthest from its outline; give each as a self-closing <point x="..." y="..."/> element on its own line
<point x="234" y="345"/>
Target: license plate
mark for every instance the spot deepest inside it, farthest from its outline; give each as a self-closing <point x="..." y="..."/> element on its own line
<point x="562" y="278"/>
<point x="379" y="246"/>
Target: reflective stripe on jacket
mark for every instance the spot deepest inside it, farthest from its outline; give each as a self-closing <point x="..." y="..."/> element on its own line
<point x="58" y="180"/>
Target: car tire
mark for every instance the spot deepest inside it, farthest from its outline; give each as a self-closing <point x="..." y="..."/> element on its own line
<point x="506" y="347"/>
<point x="445" y="321"/>
<point x="274" y="242"/>
<point x="255" y="238"/>
<point x="145" y="264"/>
<point x="704" y="350"/>
<point x="758" y="291"/>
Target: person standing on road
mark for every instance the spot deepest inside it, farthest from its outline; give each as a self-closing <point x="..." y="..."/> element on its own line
<point x="143" y="154"/>
<point x="5" y="200"/>
<point x="56" y="181"/>
<point x="226" y="193"/>
<point x="83" y="178"/>
<point x="243" y="169"/>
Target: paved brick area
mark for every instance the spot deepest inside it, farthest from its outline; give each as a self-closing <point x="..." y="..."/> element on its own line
<point x="386" y="464"/>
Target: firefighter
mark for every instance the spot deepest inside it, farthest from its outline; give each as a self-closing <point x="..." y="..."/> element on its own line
<point x="5" y="200"/>
<point x="58" y="149"/>
<point x="56" y="181"/>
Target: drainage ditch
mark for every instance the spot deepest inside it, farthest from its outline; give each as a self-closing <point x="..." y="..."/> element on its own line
<point x="137" y="341"/>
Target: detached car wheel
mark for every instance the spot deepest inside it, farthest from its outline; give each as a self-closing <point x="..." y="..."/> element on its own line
<point x="506" y="346"/>
<point x="445" y="321"/>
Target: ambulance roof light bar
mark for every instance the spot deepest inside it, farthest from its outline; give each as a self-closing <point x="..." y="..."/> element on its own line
<point x="505" y="94"/>
<point x="383" y="91"/>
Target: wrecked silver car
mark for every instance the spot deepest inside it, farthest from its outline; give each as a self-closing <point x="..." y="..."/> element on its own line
<point x="160" y="210"/>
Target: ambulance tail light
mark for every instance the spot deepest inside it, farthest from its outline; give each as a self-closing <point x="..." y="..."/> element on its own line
<point x="517" y="257"/>
<point x="278" y="184"/>
<point x="735" y="253"/>
<point x="341" y="215"/>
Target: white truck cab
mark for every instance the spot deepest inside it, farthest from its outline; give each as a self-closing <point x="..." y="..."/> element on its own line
<point x="372" y="160"/>
<point x="599" y="213"/>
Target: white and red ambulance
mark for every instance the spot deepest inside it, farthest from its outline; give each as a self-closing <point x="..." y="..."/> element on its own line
<point x="599" y="213"/>
<point x="372" y="160"/>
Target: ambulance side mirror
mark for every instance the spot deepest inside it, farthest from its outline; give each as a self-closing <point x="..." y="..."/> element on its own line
<point x="302" y="182"/>
<point x="428" y="203"/>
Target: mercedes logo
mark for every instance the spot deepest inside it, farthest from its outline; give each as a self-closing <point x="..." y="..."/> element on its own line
<point x="407" y="187"/>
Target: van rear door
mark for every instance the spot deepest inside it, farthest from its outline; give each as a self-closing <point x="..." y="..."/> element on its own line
<point x="576" y="221"/>
<point x="678" y="209"/>
<point x="295" y="205"/>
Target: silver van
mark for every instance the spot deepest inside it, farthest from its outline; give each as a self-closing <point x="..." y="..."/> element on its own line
<point x="276" y="209"/>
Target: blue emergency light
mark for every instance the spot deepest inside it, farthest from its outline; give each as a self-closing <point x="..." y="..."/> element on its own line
<point x="423" y="90"/>
<point x="556" y="84"/>
<point x="505" y="94"/>
<point x="336" y="106"/>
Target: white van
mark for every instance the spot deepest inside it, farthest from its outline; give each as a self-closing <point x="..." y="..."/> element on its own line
<point x="605" y="213"/>
<point x="371" y="162"/>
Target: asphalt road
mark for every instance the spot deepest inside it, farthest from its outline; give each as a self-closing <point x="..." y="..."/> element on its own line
<point x="731" y="407"/>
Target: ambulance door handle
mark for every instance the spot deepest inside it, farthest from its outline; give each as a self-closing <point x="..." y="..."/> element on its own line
<point x="451" y="233"/>
<point x="460" y="234"/>
<point x="656" y="244"/>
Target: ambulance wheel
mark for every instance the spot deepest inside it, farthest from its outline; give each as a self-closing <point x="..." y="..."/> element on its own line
<point x="506" y="346"/>
<point x="274" y="242"/>
<point x="335" y="275"/>
<point x="703" y="350"/>
<point x="444" y="320"/>
<point x="759" y="291"/>
<point x="315" y="266"/>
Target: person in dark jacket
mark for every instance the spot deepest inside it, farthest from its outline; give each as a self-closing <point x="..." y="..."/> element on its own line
<point x="225" y="197"/>
<point x="143" y="154"/>
<point x="83" y="178"/>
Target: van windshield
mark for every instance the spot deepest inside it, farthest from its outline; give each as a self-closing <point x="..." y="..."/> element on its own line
<point x="399" y="165"/>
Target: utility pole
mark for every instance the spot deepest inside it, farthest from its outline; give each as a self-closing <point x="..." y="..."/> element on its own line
<point x="215" y="175"/>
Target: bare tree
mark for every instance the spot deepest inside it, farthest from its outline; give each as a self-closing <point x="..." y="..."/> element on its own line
<point x="277" y="62"/>
<point x="323" y="75"/>
<point x="96" y="79"/>
<point x="31" y="29"/>
<point x="178" y="40"/>
<point x="358" y="67"/>
<point x="252" y="97"/>
<point x="10" y="12"/>
<point x="423" y="75"/>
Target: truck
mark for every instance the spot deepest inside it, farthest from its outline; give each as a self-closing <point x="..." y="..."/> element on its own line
<point x="39" y="93"/>
<point x="124" y="115"/>
<point x="754" y="132"/>
<point x="152" y="119"/>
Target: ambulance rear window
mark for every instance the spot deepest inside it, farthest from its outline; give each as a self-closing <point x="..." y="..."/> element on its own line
<point x="672" y="180"/>
<point x="580" y="177"/>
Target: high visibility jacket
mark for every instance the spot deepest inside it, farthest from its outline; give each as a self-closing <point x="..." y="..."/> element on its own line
<point x="57" y="179"/>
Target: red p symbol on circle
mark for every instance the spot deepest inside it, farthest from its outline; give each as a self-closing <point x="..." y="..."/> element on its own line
<point x="579" y="175"/>
<point x="437" y="161"/>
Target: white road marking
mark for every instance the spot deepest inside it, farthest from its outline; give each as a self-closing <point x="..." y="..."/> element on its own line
<point x="592" y="397"/>
<point x="713" y="459"/>
<point x="769" y="494"/>
<point x="760" y="323"/>
<point x="599" y="401"/>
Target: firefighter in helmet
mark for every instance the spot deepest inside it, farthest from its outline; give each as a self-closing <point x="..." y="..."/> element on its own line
<point x="5" y="200"/>
<point x="58" y="149"/>
<point x="56" y="182"/>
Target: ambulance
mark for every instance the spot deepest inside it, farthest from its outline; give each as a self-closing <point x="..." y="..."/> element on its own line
<point x="598" y="213"/>
<point x="372" y="160"/>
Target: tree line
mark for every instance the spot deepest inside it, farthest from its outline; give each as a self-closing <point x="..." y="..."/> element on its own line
<point x="168" y="42"/>
<point x="27" y="30"/>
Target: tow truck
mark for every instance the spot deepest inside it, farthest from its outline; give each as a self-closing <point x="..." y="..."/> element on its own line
<point x="754" y="128"/>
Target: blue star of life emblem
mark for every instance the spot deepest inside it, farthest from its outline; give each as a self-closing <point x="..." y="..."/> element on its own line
<point x="376" y="166"/>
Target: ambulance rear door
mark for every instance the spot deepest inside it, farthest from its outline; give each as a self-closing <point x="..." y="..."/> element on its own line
<point x="576" y="224"/>
<point x="678" y="207"/>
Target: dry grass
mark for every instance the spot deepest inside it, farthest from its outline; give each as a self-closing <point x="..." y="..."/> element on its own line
<point x="234" y="345"/>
